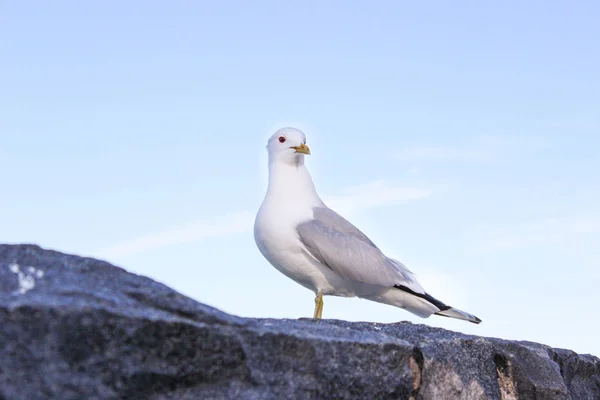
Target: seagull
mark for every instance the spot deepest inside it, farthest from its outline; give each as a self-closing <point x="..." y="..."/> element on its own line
<point x="317" y="248"/>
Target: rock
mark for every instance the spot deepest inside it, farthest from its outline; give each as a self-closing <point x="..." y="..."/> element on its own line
<point x="79" y="328"/>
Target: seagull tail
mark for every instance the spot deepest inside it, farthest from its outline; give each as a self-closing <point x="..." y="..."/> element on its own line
<point x="443" y="309"/>
<point x="458" y="314"/>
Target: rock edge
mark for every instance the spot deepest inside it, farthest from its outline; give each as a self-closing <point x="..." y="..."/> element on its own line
<point x="78" y="328"/>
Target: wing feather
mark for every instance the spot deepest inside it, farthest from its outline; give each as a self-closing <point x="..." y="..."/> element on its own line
<point x="341" y="246"/>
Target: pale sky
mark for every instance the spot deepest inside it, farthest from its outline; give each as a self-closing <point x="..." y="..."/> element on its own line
<point x="462" y="137"/>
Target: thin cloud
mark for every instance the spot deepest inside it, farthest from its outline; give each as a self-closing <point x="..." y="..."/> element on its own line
<point x="547" y="232"/>
<point x="445" y="154"/>
<point x="485" y="148"/>
<point x="353" y="199"/>
<point x="514" y="142"/>
<point x="374" y="194"/>
<point x="192" y="232"/>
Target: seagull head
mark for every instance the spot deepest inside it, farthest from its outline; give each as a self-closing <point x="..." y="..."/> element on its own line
<point x="288" y="145"/>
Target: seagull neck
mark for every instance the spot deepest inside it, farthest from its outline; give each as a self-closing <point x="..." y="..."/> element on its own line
<point x="292" y="181"/>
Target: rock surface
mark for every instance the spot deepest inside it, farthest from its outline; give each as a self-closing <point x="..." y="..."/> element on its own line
<point x="79" y="328"/>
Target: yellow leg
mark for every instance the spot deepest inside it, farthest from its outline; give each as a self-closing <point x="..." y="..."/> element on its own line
<point x="318" y="306"/>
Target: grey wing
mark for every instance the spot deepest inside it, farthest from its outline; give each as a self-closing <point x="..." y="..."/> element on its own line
<point x="341" y="246"/>
<point x="333" y="220"/>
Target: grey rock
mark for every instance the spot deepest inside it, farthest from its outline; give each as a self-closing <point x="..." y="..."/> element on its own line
<point x="79" y="328"/>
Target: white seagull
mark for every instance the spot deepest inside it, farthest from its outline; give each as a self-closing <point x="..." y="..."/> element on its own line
<point x="316" y="247"/>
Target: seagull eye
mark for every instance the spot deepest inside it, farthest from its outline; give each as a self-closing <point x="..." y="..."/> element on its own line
<point x="281" y="139"/>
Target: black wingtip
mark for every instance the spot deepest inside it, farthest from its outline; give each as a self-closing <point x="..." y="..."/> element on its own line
<point x="475" y="320"/>
<point x="425" y="296"/>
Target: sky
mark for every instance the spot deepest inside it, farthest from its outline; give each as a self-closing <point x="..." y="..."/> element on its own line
<point x="461" y="137"/>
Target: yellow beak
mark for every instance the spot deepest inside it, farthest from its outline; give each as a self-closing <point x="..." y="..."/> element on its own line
<point x="302" y="149"/>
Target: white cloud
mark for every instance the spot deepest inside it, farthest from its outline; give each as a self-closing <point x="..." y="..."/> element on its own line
<point x="514" y="142"/>
<point x="354" y="199"/>
<point x="374" y="194"/>
<point x="584" y="225"/>
<point x="482" y="149"/>
<point x="188" y="233"/>
<point x="581" y="123"/>
<point x="430" y="153"/>
<point x="547" y="232"/>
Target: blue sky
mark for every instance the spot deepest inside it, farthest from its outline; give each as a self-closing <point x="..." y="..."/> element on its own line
<point x="462" y="138"/>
